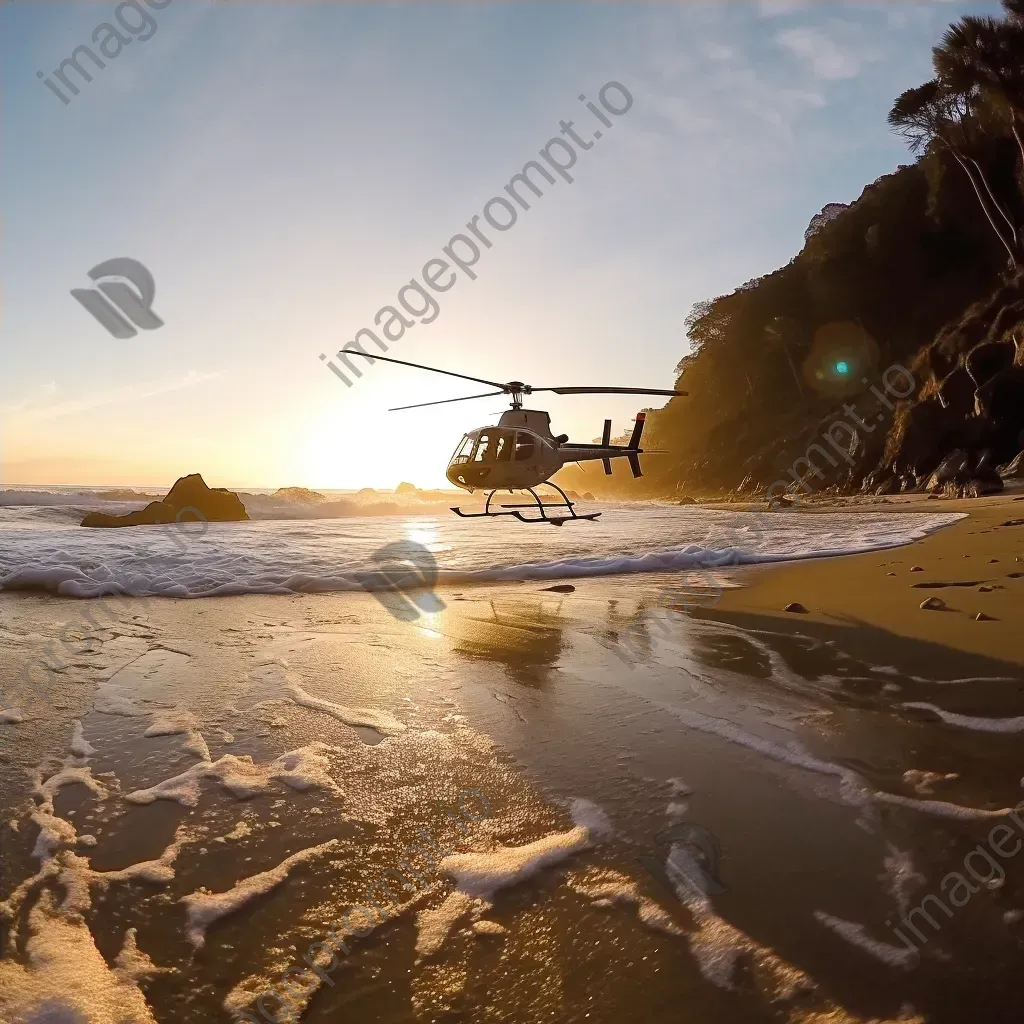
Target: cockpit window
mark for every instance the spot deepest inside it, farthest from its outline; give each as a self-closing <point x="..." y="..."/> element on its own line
<point x="484" y="448"/>
<point x="464" y="451"/>
<point x="525" y="446"/>
<point x="503" y="452"/>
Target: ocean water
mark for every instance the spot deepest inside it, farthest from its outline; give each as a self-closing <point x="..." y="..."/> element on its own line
<point x="42" y="546"/>
<point x="200" y="800"/>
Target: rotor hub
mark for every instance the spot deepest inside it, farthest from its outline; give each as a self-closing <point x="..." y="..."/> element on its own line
<point x="516" y="388"/>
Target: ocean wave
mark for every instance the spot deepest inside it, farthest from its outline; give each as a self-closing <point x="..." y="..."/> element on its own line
<point x="287" y="557"/>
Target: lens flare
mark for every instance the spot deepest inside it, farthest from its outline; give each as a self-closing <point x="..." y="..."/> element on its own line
<point x="841" y="353"/>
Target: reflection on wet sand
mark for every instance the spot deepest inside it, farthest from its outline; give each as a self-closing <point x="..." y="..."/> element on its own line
<point x="524" y="635"/>
<point x="828" y="796"/>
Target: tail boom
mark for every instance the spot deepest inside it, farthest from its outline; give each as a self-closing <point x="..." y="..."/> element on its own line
<point x="607" y="451"/>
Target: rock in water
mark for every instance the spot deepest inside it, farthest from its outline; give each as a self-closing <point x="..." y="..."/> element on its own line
<point x="796" y="608"/>
<point x="934" y="604"/>
<point x="188" y="501"/>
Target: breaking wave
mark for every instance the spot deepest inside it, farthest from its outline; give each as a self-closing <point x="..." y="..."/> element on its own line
<point x="43" y="548"/>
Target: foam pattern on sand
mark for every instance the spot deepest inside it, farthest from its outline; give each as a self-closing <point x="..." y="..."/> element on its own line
<point x="856" y="935"/>
<point x="731" y="959"/>
<point x="479" y="876"/>
<point x="300" y="769"/>
<point x="610" y="888"/>
<point x="290" y="683"/>
<point x="330" y="555"/>
<point x="67" y="979"/>
<point x="204" y="908"/>
<point x="79" y="745"/>
<point x="1006" y="725"/>
<point x="483" y="874"/>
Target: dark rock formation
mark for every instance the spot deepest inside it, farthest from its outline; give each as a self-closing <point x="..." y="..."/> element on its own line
<point x="982" y="483"/>
<point x="949" y="469"/>
<point x="968" y="417"/>
<point x="956" y="392"/>
<point x="987" y="359"/>
<point x="828" y="214"/>
<point x="1014" y="470"/>
<point x="189" y="500"/>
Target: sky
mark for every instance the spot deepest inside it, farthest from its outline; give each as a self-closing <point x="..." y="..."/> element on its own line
<point x="284" y="170"/>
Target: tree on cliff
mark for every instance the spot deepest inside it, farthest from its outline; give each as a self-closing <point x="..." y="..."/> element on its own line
<point x="977" y="95"/>
<point x="935" y="114"/>
<point x="981" y="58"/>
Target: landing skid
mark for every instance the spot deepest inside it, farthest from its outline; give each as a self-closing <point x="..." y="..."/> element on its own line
<point x="537" y="505"/>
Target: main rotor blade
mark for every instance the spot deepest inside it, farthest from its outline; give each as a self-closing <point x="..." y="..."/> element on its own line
<point x="612" y="391"/>
<point x="420" y="366"/>
<point x="445" y="401"/>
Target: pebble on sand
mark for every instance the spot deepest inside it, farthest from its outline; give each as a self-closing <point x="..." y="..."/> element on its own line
<point x="563" y="588"/>
<point x="916" y="568"/>
<point x="796" y="608"/>
<point x="934" y="604"/>
<point x="982" y="617"/>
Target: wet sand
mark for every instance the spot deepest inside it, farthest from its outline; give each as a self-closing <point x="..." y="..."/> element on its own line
<point x="975" y="566"/>
<point x="788" y="740"/>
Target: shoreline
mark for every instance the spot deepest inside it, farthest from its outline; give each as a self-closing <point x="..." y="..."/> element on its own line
<point x="235" y="738"/>
<point x="974" y="566"/>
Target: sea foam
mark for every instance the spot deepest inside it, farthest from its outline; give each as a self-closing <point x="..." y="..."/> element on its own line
<point x="344" y="554"/>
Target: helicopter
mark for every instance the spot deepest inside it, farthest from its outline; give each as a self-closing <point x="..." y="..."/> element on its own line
<point x="521" y="453"/>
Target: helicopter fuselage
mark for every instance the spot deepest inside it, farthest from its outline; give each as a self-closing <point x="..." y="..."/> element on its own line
<point x="519" y="453"/>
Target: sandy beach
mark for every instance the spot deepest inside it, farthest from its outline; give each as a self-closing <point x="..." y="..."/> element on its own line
<point x="810" y="748"/>
<point x="975" y="567"/>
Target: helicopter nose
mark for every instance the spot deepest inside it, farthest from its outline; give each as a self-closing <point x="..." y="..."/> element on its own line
<point x="457" y="475"/>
